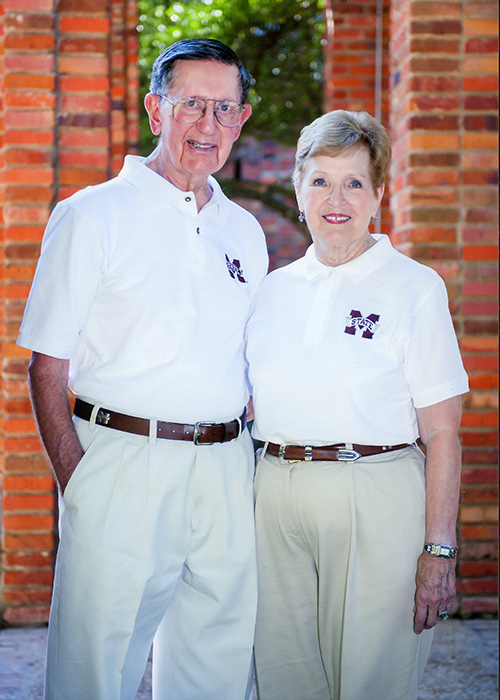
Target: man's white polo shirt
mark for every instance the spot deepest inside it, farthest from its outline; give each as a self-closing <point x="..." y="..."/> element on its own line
<point x="148" y="297"/>
<point x="346" y="354"/>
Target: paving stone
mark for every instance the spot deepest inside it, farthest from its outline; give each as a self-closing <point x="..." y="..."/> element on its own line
<point x="463" y="664"/>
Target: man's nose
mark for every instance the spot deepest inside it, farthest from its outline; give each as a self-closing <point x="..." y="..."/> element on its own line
<point x="208" y="122"/>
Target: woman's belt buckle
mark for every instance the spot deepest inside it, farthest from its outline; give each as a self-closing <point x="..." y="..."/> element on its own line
<point x="346" y="455"/>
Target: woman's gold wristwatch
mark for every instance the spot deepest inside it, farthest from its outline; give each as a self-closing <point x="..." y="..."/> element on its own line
<point x="445" y="551"/>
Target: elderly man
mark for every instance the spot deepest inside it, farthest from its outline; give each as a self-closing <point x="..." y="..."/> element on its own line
<point x="139" y="302"/>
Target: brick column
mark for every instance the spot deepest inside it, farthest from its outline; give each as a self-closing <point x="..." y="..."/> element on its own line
<point x="68" y="113"/>
<point x="28" y="189"/>
<point x="356" y="65"/>
<point x="443" y="120"/>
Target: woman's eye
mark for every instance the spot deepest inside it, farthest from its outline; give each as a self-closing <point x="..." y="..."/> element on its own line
<point x="355" y="184"/>
<point x="319" y="182"/>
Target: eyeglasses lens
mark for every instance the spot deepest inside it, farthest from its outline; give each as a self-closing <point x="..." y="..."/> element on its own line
<point x="189" y="110"/>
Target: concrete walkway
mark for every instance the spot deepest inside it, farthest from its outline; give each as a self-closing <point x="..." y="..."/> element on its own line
<point x="463" y="664"/>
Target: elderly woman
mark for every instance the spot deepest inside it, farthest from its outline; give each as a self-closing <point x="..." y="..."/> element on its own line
<point x="353" y="358"/>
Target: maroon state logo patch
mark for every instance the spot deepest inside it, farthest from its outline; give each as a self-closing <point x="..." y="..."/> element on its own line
<point x="235" y="269"/>
<point x="367" y="324"/>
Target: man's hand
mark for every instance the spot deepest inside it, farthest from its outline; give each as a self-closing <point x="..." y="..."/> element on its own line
<point x="48" y="379"/>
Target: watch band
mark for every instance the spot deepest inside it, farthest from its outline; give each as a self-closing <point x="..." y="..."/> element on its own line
<point x="445" y="551"/>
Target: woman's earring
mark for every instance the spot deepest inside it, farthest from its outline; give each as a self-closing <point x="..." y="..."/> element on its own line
<point x="374" y="220"/>
<point x="301" y="216"/>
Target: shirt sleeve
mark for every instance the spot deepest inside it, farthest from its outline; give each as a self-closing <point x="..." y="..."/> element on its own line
<point x="65" y="285"/>
<point x="433" y="365"/>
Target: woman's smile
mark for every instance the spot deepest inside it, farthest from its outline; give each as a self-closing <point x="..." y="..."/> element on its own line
<point x="336" y="218"/>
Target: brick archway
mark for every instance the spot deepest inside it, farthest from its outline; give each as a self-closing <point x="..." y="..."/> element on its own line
<point x="68" y="114"/>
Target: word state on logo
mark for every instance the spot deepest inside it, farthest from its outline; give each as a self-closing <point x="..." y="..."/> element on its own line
<point x="235" y="270"/>
<point x="367" y="324"/>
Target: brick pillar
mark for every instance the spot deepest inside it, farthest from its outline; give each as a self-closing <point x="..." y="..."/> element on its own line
<point x="68" y="114"/>
<point x="443" y="60"/>
<point x="356" y="65"/>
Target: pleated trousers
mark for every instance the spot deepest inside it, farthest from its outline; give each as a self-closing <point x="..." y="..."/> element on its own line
<point x="337" y="549"/>
<point x="157" y="543"/>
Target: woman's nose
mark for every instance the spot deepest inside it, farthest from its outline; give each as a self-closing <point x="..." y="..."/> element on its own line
<point x="336" y="195"/>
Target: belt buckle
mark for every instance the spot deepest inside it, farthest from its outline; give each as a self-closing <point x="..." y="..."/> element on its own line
<point x="346" y="455"/>
<point x="103" y="417"/>
<point x="281" y="454"/>
<point x="196" y="433"/>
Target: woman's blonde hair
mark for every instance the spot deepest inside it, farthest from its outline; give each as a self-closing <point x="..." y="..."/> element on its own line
<point x="338" y="131"/>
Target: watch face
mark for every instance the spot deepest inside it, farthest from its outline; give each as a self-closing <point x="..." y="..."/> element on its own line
<point x="441" y="550"/>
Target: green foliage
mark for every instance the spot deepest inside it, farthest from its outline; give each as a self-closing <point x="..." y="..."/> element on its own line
<point x="278" y="41"/>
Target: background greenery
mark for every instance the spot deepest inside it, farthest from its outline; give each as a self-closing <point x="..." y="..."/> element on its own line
<point x="278" y="41"/>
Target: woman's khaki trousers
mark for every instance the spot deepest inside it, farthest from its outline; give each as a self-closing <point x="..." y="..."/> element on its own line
<point x="337" y="547"/>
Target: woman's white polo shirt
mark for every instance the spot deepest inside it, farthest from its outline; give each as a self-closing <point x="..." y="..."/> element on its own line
<point x="346" y="354"/>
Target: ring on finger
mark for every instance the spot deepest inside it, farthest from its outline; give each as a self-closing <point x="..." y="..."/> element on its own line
<point x="443" y="615"/>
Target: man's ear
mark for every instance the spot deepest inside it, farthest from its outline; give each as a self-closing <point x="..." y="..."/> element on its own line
<point x="152" y="105"/>
<point x="246" y="117"/>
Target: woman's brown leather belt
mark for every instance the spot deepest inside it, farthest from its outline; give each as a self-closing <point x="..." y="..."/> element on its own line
<point x="336" y="453"/>
<point x="201" y="433"/>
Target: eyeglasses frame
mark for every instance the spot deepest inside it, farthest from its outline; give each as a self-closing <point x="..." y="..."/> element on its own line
<point x="205" y="100"/>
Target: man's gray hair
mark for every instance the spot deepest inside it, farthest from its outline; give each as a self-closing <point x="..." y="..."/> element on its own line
<point x="163" y="72"/>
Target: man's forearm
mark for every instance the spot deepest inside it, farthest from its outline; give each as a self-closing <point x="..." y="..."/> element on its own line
<point x="48" y="377"/>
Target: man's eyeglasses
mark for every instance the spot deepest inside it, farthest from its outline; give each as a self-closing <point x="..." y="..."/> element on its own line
<point x="188" y="110"/>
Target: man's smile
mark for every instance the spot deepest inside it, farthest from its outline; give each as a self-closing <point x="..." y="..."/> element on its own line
<point x="201" y="146"/>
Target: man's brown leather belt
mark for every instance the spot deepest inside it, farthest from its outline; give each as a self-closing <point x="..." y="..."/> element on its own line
<point x="336" y="453"/>
<point x="201" y="433"/>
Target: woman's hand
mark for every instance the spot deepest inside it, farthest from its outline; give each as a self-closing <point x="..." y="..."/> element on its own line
<point x="435" y="590"/>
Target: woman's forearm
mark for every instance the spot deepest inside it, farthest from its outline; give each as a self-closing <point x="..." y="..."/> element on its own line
<point x="443" y="468"/>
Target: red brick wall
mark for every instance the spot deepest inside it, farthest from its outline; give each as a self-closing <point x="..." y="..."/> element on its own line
<point x="68" y="113"/>
<point x="356" y="66"/>
<point x="443" y="117"/>
<point x="435" y="87"/>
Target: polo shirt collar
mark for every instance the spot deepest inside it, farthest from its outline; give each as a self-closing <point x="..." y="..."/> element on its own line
<point x="159" y="190"/>
<point x="361" y="266"/>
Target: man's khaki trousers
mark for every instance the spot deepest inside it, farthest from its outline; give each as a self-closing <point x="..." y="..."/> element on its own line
<point x="157" y="543"/>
